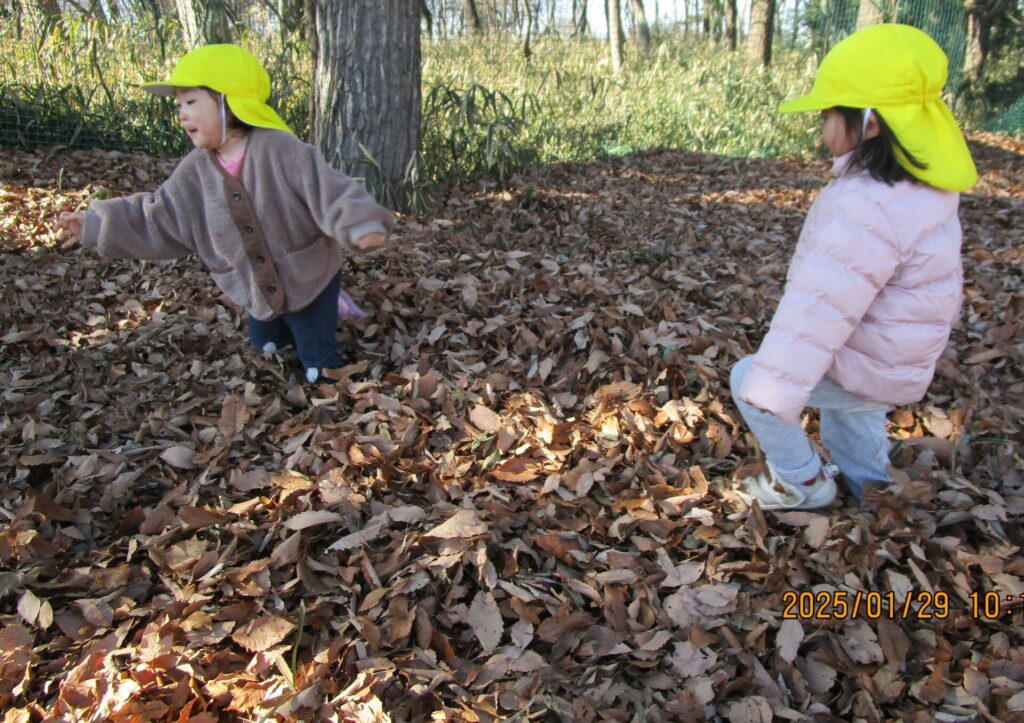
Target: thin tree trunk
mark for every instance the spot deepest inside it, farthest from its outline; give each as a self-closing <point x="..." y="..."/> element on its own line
<point x="716" y="20"/>
<point x="981" y="14"/>
<point x="581" y="24"/>
<point x="364" y="97"/>
<point x="204" y="22"/>
<point x="870" y="12"/>
<point x="614" y="14"/>
<point x="470" y="13"/>
<point x="643" y="30"/>
<point x="97" y="13"/>
<point x="820" y="30"/>
<point x="293" y="14"/>
<point x="731" y="23"/>
<point x="49" y="10"/>
<point x="428" y="18"/>
<point x="762" y="27"/>
<point x="529" y="29"/>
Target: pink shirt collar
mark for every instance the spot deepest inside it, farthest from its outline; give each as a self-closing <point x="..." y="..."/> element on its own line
<point x="235" y="166"/>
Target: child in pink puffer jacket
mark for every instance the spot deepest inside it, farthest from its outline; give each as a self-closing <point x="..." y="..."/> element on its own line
<point x="875" y="283"/>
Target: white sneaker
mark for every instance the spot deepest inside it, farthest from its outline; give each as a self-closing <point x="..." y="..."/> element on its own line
<point x="312" y="374"/>
<point x="271" y="348"/>
<point x="773" y="493"/>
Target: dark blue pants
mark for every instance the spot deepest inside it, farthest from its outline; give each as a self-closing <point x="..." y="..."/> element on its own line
<point x="309" y="330"/>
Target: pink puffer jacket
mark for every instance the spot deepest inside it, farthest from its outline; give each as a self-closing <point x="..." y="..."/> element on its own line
<point x="872" y="293"/>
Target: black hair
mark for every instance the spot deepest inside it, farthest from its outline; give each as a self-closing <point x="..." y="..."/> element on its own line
<point x="877" y="155"/>
<point x="233" y="121"/>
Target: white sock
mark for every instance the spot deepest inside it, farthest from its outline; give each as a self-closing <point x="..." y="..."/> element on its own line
<point x="312" y="374"/>
<point x="270" y="348"/>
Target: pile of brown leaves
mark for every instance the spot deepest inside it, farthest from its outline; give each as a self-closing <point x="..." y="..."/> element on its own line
<point x="517" y="501"/>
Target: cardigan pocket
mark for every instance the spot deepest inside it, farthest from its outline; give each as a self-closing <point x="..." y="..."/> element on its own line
<point x="310" y="261"/>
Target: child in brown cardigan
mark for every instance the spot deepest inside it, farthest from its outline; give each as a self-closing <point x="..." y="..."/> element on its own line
<point x="263" y="210"/>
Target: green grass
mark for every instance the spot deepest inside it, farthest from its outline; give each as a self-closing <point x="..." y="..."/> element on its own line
<point x="487" y="110"/>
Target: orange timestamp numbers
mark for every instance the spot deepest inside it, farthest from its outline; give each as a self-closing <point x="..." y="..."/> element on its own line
<point x="848" y="604"/>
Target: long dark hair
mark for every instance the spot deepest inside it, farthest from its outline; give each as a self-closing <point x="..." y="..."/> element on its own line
<point x="877" y="155"/>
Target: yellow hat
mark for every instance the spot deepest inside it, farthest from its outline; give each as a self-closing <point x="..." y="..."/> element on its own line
<point x="898" y="71"/>
<point x="232" y="71"/>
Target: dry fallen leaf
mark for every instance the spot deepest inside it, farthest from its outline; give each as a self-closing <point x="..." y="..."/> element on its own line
<point x="312" y="518"/>
<point x="463" y="524"/>
<point x="262" y="633"/>
<point x="526" y="469"/>
<point x="485" y="620"/>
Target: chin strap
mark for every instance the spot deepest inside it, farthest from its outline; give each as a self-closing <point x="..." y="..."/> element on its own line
<point x="224" y="121"/>
<point x="864" y="125"/>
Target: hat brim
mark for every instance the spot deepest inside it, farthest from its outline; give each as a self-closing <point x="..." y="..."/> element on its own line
<point x="167" y="88"/>
<point x="805" y="103"/>
<point x="256" y="113"/>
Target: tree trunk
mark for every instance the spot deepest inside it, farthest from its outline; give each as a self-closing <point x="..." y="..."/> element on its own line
<point x="427" y="17"/>
<point x="292" y="14"/>
<point x="870" y="13"/>
<point x="364" y="96"/>
<point x="204" y="22"/>
<point x="614" y="14"/>
<point x="762" y="26"/>
<point x="980" y="16"/>
<point x="49" y="10"/>
<point x="470" y="13"/>
<point x="821" y="28"/>
<point x="97" y="13"/>
<point x="12" y="11"/>
<point x="731" y="22"/>
<point x="643" y="30"/>
<point x="529" y="30"/>
<point x="581" y="22"/>
<point x="715" y="14"/>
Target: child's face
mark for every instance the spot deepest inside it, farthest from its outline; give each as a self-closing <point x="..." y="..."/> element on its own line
<point x="199" y="115"/>
<point x="838" y="137"/>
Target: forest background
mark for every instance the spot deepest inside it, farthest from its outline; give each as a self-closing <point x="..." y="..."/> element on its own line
<point x="505" y="83"/>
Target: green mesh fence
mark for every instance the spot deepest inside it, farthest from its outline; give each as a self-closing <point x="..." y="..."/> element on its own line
<point x="995" y="100"/>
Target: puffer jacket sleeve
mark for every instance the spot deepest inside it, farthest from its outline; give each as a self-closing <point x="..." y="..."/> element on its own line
<point x="341" y="207"/>
<point x="152" y="225"/>
<point x="851" y="253"/>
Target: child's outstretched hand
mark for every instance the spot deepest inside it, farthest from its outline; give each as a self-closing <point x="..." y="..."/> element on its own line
<point x="370" y="241"/>
<point x="72" y="224"/>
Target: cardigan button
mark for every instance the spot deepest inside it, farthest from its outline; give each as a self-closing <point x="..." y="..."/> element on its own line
<point x="248" y="228"/>
<point x="260" y="260"/>
<point x="237" y="196"/>
<point x="272" y="289"/>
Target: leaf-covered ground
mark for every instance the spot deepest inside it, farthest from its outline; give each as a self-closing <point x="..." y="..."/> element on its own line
<point x="517" y="502"/>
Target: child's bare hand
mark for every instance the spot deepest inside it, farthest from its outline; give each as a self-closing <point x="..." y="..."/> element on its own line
<point x="72" y="224"/>
<point x="370" y="241"/>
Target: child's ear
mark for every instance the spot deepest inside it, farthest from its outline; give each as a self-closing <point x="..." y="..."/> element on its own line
<point x="872" y="129"/>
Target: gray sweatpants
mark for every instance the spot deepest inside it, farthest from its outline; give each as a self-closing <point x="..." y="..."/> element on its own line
<point x="852" y="430"/>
